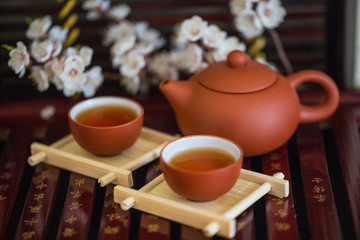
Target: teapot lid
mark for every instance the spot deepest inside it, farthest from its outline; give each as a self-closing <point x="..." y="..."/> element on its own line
<point x="237" y="75"/>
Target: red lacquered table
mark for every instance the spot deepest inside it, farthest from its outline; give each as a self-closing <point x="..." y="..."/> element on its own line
<point x="321" y="161"/>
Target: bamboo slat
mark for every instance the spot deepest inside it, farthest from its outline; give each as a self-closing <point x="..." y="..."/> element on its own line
<point x="214" y="217"/>
<point x="67" y="154"/>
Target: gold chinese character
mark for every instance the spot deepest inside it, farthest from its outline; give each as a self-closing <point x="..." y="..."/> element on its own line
<point x="317" y="180"/>
<point x="244" y="213"/>
<point x="35" y="209"/>
<point x="113" y="216"/>
<point x="240" y="225"/>
<point x="276" y="166"/>
<point x="281" y="213"/>
<point x="10" y="165"/>
<point x="71" y="219"/>
<point x="79" y="182"/>
<point x="320" y="197"/>
<point x="28" y="235"/>
<point x="274" y="156"/>
<point x="279" y="201"/>
<point x="282" y="226"/>
<point x="43" y="174"/>
<point x="111" y="230"/>
<point x="39" y="196"/>
<point x="31" y="222"/>
<point x="4" y="187"/>
<point x="152" y="216"/>
<point x="2" y="197"/>
<point x="77" y="193"/>
<point x="318" y="189"/>
<point x="115" y="205"/>
<point x="5" y="176"/>
<point x="153" y="228"/>
<point x="74" y="205"/>
<point x="41" y="186"/>
<point x="68" y="232"/>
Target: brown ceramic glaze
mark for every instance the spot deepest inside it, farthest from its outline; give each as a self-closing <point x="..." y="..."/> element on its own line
<point x="201" y="185"/>
<point x="248" y="102"/>
<point x="106" y="140"/>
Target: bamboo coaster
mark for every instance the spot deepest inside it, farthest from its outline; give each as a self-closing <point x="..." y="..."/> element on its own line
<point x="67" y="154"/>
<point x="214" y="217"/>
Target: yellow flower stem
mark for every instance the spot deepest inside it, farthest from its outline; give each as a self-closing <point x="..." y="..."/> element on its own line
<point x="70" y="21"/>
<point x="67" y="9"/>
<point x="260" y="55"/>
<point x="257" y="46"/>
<point x="28" y="20"/>
<point x="74" y="34"/>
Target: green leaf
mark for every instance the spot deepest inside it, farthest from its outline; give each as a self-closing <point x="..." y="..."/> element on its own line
<point x="28" y="20"/>
<point x="7" y="47"/>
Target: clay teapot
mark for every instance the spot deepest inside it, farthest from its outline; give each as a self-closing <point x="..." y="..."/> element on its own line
<point x="247" y="102"/>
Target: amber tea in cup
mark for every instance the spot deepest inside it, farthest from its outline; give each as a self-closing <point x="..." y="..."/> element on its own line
<point x="106" y="125"/>
<point x="201" y="167"/>
<point x="106" y="116"/>
<point x="202" y="159"/>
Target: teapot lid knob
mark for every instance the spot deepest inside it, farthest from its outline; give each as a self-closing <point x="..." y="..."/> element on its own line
<point x="237" y="59"/>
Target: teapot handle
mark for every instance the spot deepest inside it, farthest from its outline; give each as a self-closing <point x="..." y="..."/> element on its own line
<point x="321" y="111"/>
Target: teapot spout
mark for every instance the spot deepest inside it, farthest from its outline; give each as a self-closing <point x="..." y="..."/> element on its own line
<point x="176" y="92"/>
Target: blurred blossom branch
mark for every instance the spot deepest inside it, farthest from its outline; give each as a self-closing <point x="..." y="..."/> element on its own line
<point x="138" y="51"/>
<point x="131" y="43"/>
<point x="50" y="62"/>
<point x="252" y="17"/>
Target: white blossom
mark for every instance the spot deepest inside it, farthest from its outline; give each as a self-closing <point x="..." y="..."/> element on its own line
<point x="213" y="36"/>
<point x="122" y="45"/>
<point x="237" y="6"/>
<point x="95" y="8"/>
<point x="47" y="112"/>
<point x="161" y="64"/>
<point x="40" y="77"/>
<point x="117" y="60"/>
<point x="57" y="33"/>
<point x="153" y="37"/>
<point x="38" y="27"/>
<point x="193" y="28"/>
<point x="133" y="63"/>
<point x="57" y="48"/>
<point x="119" y="12"/>
<point x="145" y="48"/>
<point x="19" y="59"/>
<point x="140" y="28"/>
<point x="84" y="52"/>
<point x="220" y="54"/>
<point x="42" y="50"/>
<point x="56" y="67"/>
<point x="73" y="75"/>
<point x="132" y="85"/>
<point x="116" y="31"/>
<point x="271" y="13"/>
<point x="189" y="59"/>
<point x="249" y="24"/>
<point x="94" y="79"/>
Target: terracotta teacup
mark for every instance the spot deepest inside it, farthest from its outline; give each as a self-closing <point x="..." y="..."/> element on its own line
<point x="103" y="132"/>
<point x="189" y="171"/>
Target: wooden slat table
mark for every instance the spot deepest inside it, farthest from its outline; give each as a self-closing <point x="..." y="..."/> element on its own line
<point x="321" y="160"/>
